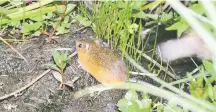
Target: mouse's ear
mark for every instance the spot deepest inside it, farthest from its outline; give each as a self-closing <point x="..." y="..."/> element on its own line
<point x="87" y="46"/>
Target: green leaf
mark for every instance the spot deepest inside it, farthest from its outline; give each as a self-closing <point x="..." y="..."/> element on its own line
<point x="3" y="10"/>
<point x="63" y="27"/>
<point x="214" y="93"/>
<point x="57" y="75"/>
<point x="197" y="8"/>
<point x="165" y="17"/>
<point x="66" y="19"/>
<point x="60" y="59"/>
<point x="145" y="96"/>
<point x="146" y="103"/>
<point x="26" y="28"/>
<point x="131" y="95"/>
<point x="3" y="13"/>
<point x="140" y="15"/>
<point x="42" y="17"/>
<point x="196" y="87"/>
<point x="210" y="91"/>
<point x="70" y="7"/>
<point x="15" y="24"/>
<point x="3" y="1"/>
<point x="53" y="66"/>
<point x="131" y="103"/>
<point x="83" y="21"/>
<point x="37" y="33"/>
<point x="160" y="107"/>
<point x="61" y="30"/>
<point x="29" y="14"/>
<point x="128" y="106"/>
<point x="209" y="67"/>
<point x="133" y="28"/>
<point x="180" y="26"/>
<point x="60" y="10"/>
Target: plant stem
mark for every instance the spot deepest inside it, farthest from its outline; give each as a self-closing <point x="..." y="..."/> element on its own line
<point x="146" y="88"/>
<point x="164" y="84"/>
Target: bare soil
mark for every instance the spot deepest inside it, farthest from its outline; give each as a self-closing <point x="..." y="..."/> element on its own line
<point x="43" y="95"/>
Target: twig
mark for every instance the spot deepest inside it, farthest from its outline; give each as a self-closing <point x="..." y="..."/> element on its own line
<point x="92" y="89"/>
<point x="58" y="23"/>
<point x="13" y="49"/>
<point x="64" y="49"/>
<point x="25" y="87"/>
<point x="79" y="29"/>
<point x="194" y="71"/>
<point x="138" y="73"/>
<point x="72" y="55"/>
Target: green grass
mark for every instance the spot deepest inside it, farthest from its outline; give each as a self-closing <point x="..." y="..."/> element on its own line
<point x="36" y="17"/>
<point x="115" y="24"/>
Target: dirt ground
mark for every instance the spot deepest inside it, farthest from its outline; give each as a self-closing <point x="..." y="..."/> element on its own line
<point x="43" y="95"/>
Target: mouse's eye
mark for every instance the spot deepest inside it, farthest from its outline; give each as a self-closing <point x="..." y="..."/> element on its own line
<point x="80" y="45"/>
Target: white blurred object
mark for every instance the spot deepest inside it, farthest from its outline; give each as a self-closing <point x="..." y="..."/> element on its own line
<point x="186" y="46"/>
